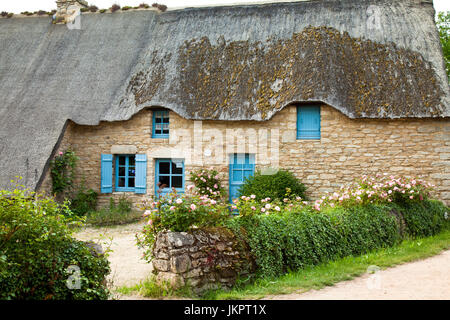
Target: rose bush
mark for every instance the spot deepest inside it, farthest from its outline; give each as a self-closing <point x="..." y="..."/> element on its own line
<point x="207" y="182"/>
<point x="180" y="212"/>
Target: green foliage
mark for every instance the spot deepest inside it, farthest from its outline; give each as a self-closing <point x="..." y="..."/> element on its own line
<point x="180" y="213"/>
<point x="208" y="183"/>
<point x="116" y="214"/>
<point x="424" y="219"/>
<point x="62" y="171"/>
<point x="84" y="201"/>
<point x="294" y="240"/>
<point x="443" y="24"/>
<point x="36" y="249"/>
<point x="274" y="186"/>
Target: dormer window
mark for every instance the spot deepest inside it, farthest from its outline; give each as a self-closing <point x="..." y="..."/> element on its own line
<point x="160" y="124"/>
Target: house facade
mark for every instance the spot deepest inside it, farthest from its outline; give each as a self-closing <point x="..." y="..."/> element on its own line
<point x="331" y="151"/>
<point x="328" y="89"/>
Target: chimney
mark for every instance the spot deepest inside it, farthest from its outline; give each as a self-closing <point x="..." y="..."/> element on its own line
<point x="62" y="6"/>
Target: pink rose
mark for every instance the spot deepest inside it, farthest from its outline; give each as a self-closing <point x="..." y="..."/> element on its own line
<point x="147" y="213"/>
<point x="150" y="222"/>
<point x="193" y="206"/>
<point x="60" y="153"/>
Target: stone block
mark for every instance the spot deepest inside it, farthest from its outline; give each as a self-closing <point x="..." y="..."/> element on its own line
<point x="180" y="264"/>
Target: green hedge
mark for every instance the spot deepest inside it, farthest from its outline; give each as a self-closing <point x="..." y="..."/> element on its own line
<point x="290" y="241"/>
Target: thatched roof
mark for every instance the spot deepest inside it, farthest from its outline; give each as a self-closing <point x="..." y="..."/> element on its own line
<point x="367" y="58"/>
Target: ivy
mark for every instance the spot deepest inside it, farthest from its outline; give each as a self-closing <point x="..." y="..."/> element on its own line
<point x="62" y="171"/>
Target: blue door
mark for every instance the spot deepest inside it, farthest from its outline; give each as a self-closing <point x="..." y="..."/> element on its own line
<point x="169" y="174"/>
<point x="242" y="165"/>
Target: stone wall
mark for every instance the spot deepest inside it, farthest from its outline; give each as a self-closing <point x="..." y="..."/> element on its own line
<point x="348" y="148"/>
<point x="200" y="259"/>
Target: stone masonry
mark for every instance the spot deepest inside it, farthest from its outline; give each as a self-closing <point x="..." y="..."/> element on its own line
<point x="348" y="148"/>
<point x="200" y="259"/>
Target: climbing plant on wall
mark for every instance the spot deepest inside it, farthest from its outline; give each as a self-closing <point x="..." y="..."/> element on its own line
<point x="62" y="171"/>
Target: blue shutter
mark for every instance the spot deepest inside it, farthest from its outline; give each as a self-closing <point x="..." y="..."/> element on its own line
<point x="308" y="122"/>
<point x="141" y="174"/>
<point x="106" y="173"/>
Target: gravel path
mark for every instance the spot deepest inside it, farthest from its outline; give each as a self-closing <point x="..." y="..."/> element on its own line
<point x="427" y="279"/>
<point x="127" y="267"/>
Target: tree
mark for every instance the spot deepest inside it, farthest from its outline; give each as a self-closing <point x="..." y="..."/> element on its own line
<point x="443" y="24"/>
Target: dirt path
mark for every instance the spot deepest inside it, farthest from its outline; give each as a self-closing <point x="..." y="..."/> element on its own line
<point x="424" y="279"/>
<point x="127" y="267"/>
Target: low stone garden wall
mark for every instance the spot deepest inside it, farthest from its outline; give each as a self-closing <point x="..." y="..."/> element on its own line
<point x="201" y="259"/>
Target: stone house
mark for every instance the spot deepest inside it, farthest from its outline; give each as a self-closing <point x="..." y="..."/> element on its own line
<point x="329" y="89"/>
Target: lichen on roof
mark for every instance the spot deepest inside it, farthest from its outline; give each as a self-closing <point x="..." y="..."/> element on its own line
<point x="369" y="78"/>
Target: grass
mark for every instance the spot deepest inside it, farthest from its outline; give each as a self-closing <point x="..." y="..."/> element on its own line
<point x="106" y="217"/>
<point x="151" y="289"/>
<point x="315" y="277"/>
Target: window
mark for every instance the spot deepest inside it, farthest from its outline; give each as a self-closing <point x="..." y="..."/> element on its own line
<point x="130" y="173"/>
<point x="125" y="172"/>
<point x="160" y="124"/>
<point x="308" y="122"/>
<point x="169" y="174"/>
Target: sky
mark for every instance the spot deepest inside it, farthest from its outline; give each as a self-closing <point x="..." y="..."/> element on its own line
<point x="18" y="6"/>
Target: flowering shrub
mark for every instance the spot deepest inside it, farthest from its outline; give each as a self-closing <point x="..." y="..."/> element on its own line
<point x="250" y="206"/>
<point x="180" y="213"/>
<point x="208" y="183"/>
<point x="377" y="189"/>
<point x="62" y="171"/>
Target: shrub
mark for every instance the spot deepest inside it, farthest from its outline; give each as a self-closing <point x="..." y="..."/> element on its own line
<point x="160" y="7"/>
<point x="125" y="8"/>
<point x="93" y="8"/>
<point x="84" y="201"/>
<point x="102" y="10"/>
<point x="4" y="14"/>
<point x="208" y="183"/>
<point x="10" y="15"/>
<point x="36" y="249"/>
<point x="62" y="171"/>
<point x="378" y="189"/>
<point x="115" y="7"/>
<point x="425" y="218"/>
<point x="180" y="213"/>
<point x="293" y="240"/>
<point x="144" y="5"/>
<point x="274" y="186"/>
<point x="41" y="12"/>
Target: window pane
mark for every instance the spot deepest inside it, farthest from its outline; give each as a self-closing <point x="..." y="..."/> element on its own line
<point x="177" y="181"/>
<point x="121" y="182"/>
<point x="157" y="119"/>
<point x="164" y="182"/>
<point x="131" y="182"/>
<point x="237" y="175"/>
<point x="121" y="171"/>
<point x="166" y="119"/>
<point x="176" y="170"/>
<point x="164" y="167"/>
<point x="131" y="160"/>
<point x="131" y="172"/>
<point x="121" y="161"/>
